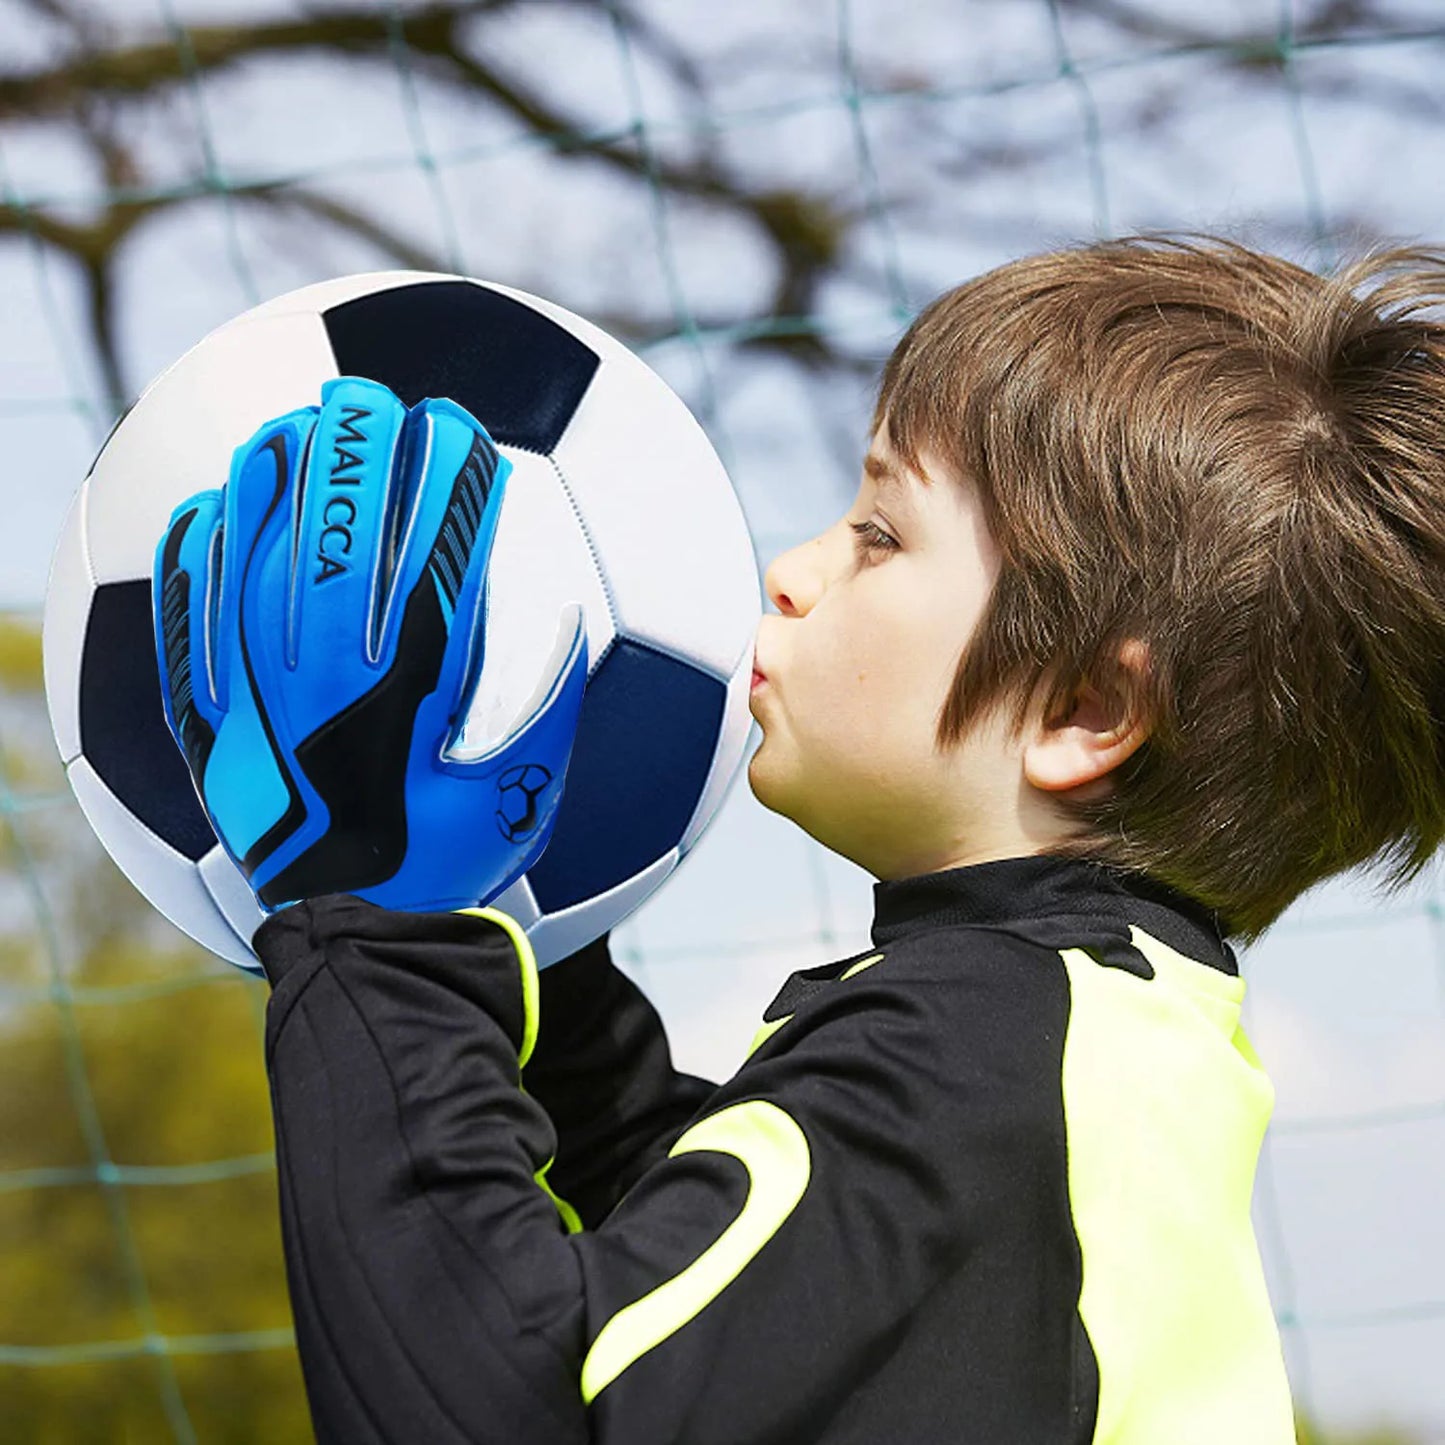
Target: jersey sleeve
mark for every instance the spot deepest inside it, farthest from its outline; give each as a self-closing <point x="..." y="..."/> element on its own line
<point x="603" y="1071"/>
<point x="736" y="1293"/>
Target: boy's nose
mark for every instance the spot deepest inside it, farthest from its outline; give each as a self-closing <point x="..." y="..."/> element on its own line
<point x="773" y="585"/>
<point x="791" y="584"/>
<point x="782" y="602"/>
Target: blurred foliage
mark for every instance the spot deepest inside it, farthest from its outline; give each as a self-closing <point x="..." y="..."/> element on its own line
<point x="161" y="1068"/>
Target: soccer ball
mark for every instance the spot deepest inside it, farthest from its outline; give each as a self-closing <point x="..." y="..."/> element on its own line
<point x="617" y="501"/>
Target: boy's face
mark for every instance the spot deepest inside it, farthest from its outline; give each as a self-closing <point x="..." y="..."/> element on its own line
<point x="858" y="665"/>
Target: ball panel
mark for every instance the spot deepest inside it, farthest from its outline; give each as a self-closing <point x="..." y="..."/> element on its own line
<point x="518" y="372"/>
<point x="179" y="439"/>
<point x="166" y="878"/>
<point x="123" y="732"/>
<point x="62" y="628"/>
<point x="236" y="904"/>
<point x="517" y="900"/>
<point x="675" y="485"/>
<point x="562" y="933"/>
<point x="643" y="751"/>
<point x="732" y="744"/>
<point x="698" y="597"/>
<point x="540" y="562"/>
<point x="317" y="296"/>
<point x="607" y="346"/>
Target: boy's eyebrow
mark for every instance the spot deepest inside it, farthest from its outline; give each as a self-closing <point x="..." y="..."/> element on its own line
<point x="887" y="480"/>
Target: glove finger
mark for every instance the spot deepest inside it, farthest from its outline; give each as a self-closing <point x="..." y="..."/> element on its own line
<point x="457" y="480"/>
<point x="257" y="504"/>
<point x="498" y="725"/>
<point x="515" y="787"/>
<point x="341" y="510"/>
<point x="525" y="771"/>
<point x="182" y="604"/>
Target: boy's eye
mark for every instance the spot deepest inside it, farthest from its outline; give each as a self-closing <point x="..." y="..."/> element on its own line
<point x="872" y="538"/>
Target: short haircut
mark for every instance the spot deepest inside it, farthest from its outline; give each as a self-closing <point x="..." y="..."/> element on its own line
<point x="1242" y="463"/>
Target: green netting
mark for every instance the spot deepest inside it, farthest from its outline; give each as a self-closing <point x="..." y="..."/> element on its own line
<point x="73" y="1003"/>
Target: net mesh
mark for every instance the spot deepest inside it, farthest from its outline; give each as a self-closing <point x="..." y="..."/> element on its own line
<point x="71" y="972"/>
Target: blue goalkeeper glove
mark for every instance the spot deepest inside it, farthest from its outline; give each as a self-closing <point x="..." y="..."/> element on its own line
<point x="316" y="684"/>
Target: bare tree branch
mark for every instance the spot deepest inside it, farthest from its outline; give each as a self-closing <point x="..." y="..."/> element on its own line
<point x="408" y="254"/>
<point x="808" y="228"/>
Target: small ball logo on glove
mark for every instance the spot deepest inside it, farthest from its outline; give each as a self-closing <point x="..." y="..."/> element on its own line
<point x="517" y="792"/>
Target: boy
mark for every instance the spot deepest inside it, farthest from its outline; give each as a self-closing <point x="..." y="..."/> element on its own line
<point x="1132" y="634"/>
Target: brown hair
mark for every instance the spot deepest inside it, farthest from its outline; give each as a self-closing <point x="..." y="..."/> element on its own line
<point x="1242" y="464"/>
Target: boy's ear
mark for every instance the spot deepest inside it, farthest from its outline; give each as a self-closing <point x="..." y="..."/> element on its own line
<point x="1096" y="735"/>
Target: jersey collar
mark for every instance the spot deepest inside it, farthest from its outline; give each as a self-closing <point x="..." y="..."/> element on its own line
<point x="1043" y="886"/>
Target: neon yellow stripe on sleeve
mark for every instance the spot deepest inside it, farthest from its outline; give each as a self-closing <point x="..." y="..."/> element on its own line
<point x="527" y="960"/>
<point x="570" y="1217"/>
<point x="774" y="1151"/>
<point x="531" y="1009"/>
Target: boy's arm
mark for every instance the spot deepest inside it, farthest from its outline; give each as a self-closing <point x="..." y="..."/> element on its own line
<point x="739" y="1292"/>
<point x="602" y="1070"/>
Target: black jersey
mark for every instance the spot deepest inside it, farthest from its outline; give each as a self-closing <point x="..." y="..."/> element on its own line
<point x="986" y="1181"/>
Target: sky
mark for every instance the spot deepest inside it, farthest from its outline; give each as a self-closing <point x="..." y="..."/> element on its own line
<point x="972" y="142"/>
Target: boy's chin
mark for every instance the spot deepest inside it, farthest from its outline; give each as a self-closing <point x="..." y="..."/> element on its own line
<point x="782" y="792"/>
<point x="758" y="780"/>
<point x="770" y="785"/>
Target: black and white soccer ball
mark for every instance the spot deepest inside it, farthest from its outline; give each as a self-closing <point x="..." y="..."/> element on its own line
<point x="617" y="500"/>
